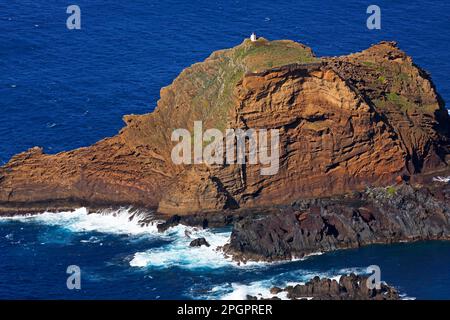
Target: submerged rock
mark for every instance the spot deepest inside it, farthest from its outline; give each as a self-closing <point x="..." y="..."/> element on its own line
<point x="199" y="242"/>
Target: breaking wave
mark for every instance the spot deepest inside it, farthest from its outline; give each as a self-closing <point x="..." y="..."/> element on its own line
<point x="120" y="221"/>
<point x="179" y="253"/>
<point x="173" y="251"/>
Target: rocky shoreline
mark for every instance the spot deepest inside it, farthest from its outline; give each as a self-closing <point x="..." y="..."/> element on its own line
<point x="348" y="287"/>
<point x="378" y="216"/>
<point x="406" y="212"/>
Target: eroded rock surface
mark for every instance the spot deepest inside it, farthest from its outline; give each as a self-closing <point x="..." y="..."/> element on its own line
<point x="379" y="215"/>
<point x="345" y="123"/>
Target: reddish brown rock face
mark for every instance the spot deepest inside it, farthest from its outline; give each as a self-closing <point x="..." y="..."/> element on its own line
<point x="406" y="99"/>
<point x="330" y="139"/>
<point x="345" y="123"/>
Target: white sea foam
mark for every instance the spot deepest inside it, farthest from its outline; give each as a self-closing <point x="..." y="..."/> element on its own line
<point x="91" y="240"/>
<point x="115" y="222"/>
<point x="179" y="253"/>
<point x="442" y="179"/>
<point x="306" y="256"/>
<point x="176" y="252"/>
<point x="259" y="288"/>
<point x="356" y="270"/>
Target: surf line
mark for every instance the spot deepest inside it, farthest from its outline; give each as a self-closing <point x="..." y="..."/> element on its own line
<point x="200" y="311"/>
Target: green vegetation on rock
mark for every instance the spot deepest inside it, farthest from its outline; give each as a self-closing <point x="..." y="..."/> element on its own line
<point x="262" y="54"/>
<point x="391" y="190"/>
<point x="215" y="85"/>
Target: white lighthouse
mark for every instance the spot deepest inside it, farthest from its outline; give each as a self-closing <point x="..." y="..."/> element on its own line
<point x="253" y="37"/>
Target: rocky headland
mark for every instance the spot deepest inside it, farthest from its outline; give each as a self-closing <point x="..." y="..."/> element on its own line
<point x="361" y="138"/>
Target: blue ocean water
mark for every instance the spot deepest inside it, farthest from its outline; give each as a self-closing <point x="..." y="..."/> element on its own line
<point x="62" y="89"/>
<point x="120" y="260"/>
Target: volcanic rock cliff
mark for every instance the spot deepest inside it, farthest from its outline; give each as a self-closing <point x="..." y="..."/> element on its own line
<point x="346" y="123"/>
<point x="379" y="215"/>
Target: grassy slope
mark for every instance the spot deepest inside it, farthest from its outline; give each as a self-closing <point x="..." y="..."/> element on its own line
<point x="215" y="95"/>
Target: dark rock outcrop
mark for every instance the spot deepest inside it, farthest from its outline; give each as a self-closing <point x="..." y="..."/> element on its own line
<point x="379" y="215"/>
<point x="349" y="287"/>
<point x="199" y="242"/>
<point x="169" y="223"/>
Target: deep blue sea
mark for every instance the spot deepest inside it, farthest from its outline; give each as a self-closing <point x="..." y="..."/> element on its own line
<point x="62" y="89"/>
